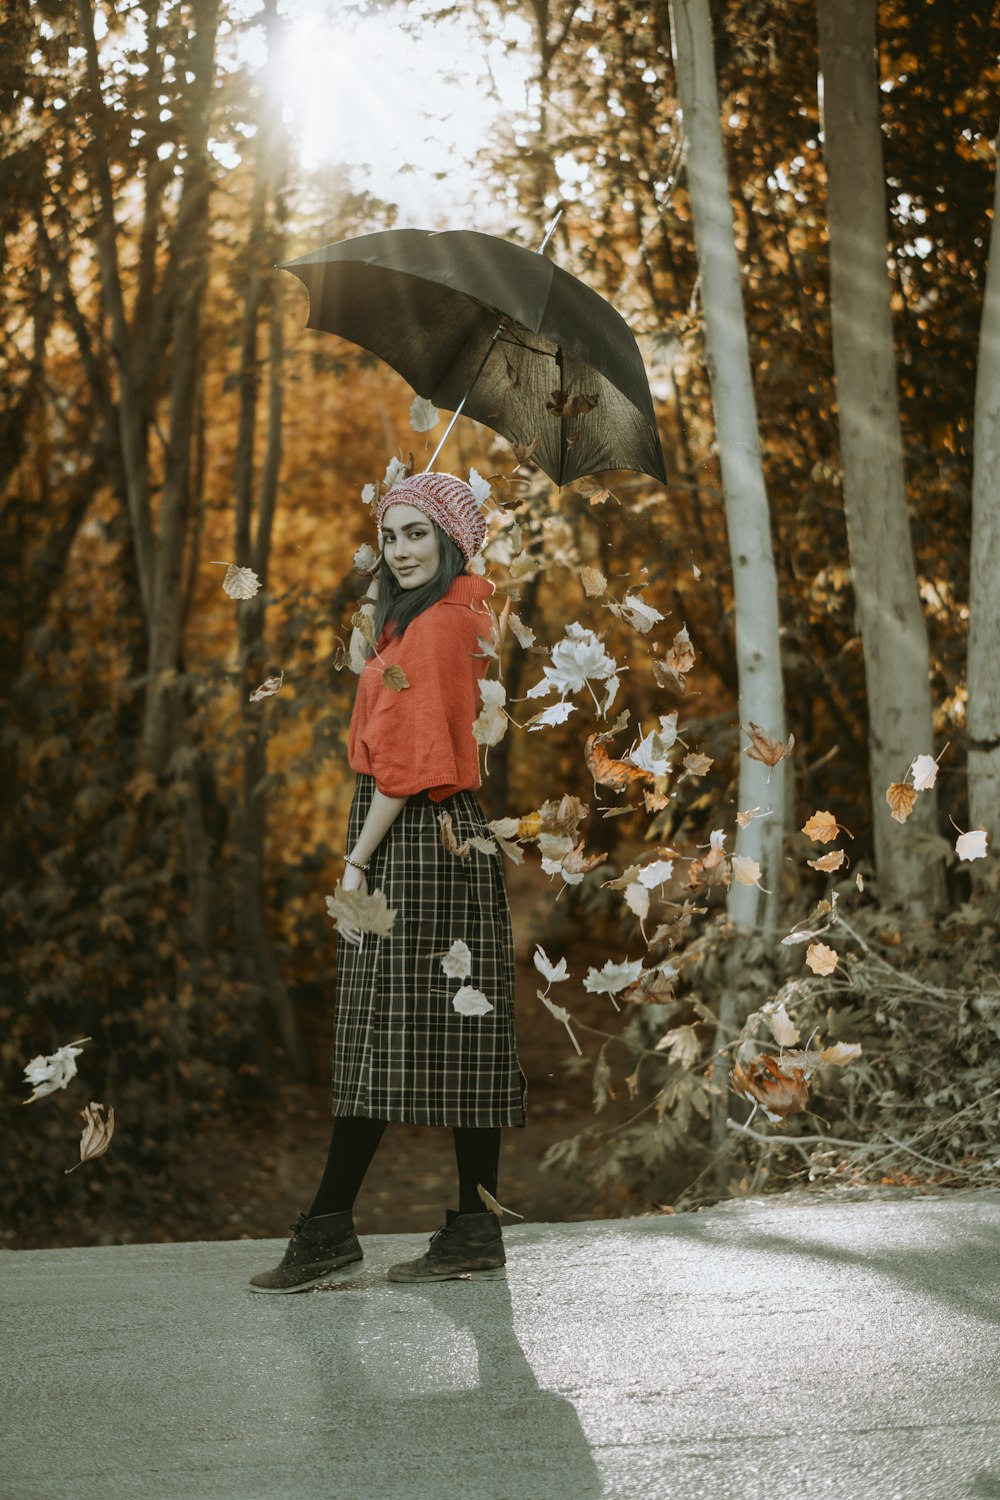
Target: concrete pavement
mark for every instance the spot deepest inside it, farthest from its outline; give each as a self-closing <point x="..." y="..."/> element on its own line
<point x="764" y="1351"/>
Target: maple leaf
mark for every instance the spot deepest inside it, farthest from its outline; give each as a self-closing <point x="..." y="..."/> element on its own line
<point x="577" y="658"/>
<point x="764" y="748"/>
<point x="268" y="688"/>
<point x="656" y="872"/>
<point x="637" y="613"/>
<point x="470" y="1002"/>
<point x="697" y="765"/>
<point x="821" y="958"/>
<point x="97" y="1133"/>
<point x="650" y="755"/>
<point x="457" y="962"/>
<point x="902" y="798"/>
<point x="239" y="583"/>
<point x="557" y="714"/>
<point x="779" y="1092"/>
<point x="423" y="414"/>
<point x="361" y="911"/>
<point x="46" y="1074"/>
<point x="612" y="977"/>
<point x="395" y="678"/>
<point x="822" y="827"/>
<point x="654" y="987"/>
<point x="746" y="870"/>
<point x="826" y="862"/>
<point x="554" y="973"/>
<point x="971" y="845"/>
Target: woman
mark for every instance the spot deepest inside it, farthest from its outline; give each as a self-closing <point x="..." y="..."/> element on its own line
<point x="402" y="1051"/>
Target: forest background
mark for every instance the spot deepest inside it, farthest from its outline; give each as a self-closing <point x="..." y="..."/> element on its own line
<point x="823" y="344"/>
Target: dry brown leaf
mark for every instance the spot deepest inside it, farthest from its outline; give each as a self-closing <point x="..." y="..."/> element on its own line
<point x="680" y="657"/>
<point x="525" y="452"/>
<point x="362" y="621"/>
<point x="746" y="869"/>
<point x="524" y="635"/>
<point x="666" y="677"/>
<point x="697" y="765"/>
<point x="605" y="771"/>
<point x="764" y="748"/>
<point x="594" y="582"/>
<point x="395" y="678"/>
<point x="822" y="827"/>
<point x="239" y="583"/>
<point x="821" y="958"/>
<point x="744" y="819"/>
<point x="831" y="861"/>
<point x="97" y="1133"/>
<point x="492" y="1204"/>
<point x="902" y="798"/>
<point x="367" y="912"/>
<point x="778" y="1091"/>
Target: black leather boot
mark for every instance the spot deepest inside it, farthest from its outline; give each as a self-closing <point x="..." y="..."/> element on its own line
<point x="467" y="1246"/>
<point x="319" y="1248"/>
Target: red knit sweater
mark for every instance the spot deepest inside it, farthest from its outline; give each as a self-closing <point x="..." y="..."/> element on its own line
<point x="420" y="739"/>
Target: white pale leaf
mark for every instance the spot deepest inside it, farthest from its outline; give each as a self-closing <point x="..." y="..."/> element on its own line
<point x="556" y="867"/>
<point x="611" y="693"/>
<point x="423" y="414"/>
<point x="471" y="1002"/>
<point x="554" y="845"/>
<point x="668" y="729"/>
<point x="395" y="470"/>
<point x="46" y="1074"/>
<point x="557" y="714"/>
<point x="971" y="845"/>
<point x="366" y="557"/>
<point x="561" y="1014"/>
<point x="924" y="769"/>
<point x="369" y="493"/>
<point x="476" y="565"/>
<point x="239" y="583"/>
<point x="656" y="873"/>
<point x="637" y="899"/>
<point x="612" y="977"/>
<point x="457" y="962"/>
<point x="492" y="692"/>
<point x="746" y="870"/>
<point x="650" y="755"/>
<point x="525" y="636"/>
<point x="268" y="688"/>
<point x="479" y="486"/>
<point x="783" y="1028"/>
<point x="717" y="839"/>
<point x="640" y="615"/>
<point x="554" y="973"/>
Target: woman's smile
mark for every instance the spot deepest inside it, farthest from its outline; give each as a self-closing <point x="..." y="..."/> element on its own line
<point x="410" y="546"/>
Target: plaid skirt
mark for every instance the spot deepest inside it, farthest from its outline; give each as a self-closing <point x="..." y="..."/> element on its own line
<point x="401" y="1050"/>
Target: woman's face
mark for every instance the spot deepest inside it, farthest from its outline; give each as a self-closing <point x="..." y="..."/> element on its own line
<point x="409" y="546"/>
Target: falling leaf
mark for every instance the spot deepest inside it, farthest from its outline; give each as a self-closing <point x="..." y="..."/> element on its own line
<point x="902" y="798"/>
<point x="567" y="406"/>
<point x="594" y="582"/>
<point x="395" y="678"/>
<point x="924" y="771"/>
<point x="971" y="845"/>
<point x="826" y="862"/>
<point x="608" y="772"/>
<point x="268" y="688"/>
<point x="239" y="583"/>
<point x="637" y="900"/>
<point x="525" y="452"/>
<point x="764" y="748"/>
<point x="524" y="636"/>
<point x="423" y="414"/>
<point x="612" y="977"/>
<point x="46" y="1074"/>
<point x="777" y="1091"/>
<point x="449" y="841"/>
<point x="746" y="870"/>
<point x="680" y="657"/>
<point x="576" y="660"/>
<point x="821" y="958"/>
<point x="365" y="559"/>
<point x="697" y="765"/>
<point x="470" y="1002"/>
<point x="457" y="962"/>
<point x="557" y="714"/>
<point x="561" y="1014"/>
<point x="654" y="987"/>
<point x="554" y="973"/>
<point x="578" y="863"/>
<point x="637" y="613"/>
<point x="841" y="1053"/>
<point x="491" y="725"/>
<point x="97" y="1133"/>
<point x="656" y="873"/>
<point x="859" y="881"/>
<point x="783" y="1028"/>
<point x="367" y="912"/>
<point x="491" y="1203"/>
<point x="394" y="472"/>
<point x="744" y="819"/>
<point x="666" y="677"/>
<point x="650" y="755"/>
<point x="369" y="494"/>
<point x="480" y="487"/>
<point x="361" y="621"/>
<point x="822" y="827"/>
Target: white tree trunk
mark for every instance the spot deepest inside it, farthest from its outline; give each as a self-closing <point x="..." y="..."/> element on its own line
<point x="889" y="613"/>
<point x="748" y="523"/>
<point x="984" y="580"/>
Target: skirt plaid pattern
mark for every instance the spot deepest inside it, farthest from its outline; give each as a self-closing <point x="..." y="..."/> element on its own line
<point x="401" y="1050"/>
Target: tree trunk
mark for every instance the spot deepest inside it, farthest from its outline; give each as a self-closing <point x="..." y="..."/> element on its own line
<point x="889" y="614"/>
<point x="984" y="589"/>
<point x="748" y="523"/>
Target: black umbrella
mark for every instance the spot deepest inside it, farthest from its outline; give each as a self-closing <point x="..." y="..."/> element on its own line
<point x="467" y="317"/>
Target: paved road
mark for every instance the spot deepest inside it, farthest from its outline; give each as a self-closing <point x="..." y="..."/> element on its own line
<point x="768" y="1351"/>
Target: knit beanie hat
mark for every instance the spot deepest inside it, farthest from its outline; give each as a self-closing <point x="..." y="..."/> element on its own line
<point x="447" y="500"/>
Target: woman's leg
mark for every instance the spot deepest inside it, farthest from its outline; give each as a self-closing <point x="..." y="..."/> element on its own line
<point x="352" y="1145"/>
<point x="477" y="1152"/>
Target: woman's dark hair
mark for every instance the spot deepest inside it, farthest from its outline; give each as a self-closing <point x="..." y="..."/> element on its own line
<point x="398" y="607"/>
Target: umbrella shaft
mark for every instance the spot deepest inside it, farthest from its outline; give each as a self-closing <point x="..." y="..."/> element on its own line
<point x="458" y="409"/>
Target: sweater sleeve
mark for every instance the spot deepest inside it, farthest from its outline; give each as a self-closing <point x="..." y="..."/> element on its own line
<point x="420" y="739"/>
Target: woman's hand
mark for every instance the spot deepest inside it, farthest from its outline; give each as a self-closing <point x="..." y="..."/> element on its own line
<point x="353" y="879"/>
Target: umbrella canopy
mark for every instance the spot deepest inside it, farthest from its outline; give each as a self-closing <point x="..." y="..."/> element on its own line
<point x="429" y="304"/>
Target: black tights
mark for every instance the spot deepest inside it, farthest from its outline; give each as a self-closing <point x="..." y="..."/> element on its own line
<point x="355" y="1140"/>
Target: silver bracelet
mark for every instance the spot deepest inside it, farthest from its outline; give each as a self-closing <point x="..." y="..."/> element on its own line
<point x="349" y="861"/>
